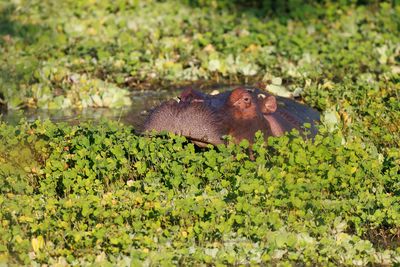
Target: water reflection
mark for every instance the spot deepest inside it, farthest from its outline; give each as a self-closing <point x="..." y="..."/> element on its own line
<point x="142" y="102"/>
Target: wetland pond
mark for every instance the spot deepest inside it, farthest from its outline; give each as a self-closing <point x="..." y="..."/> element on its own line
<point x="142" y="102"/>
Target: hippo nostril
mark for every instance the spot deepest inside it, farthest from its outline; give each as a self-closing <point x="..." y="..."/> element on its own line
<point x="204" y="118"/>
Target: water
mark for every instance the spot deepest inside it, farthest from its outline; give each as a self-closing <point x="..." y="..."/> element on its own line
<point x="142" y="103"/>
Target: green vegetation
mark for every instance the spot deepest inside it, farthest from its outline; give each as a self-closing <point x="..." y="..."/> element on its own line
<point x="87" y="193"/>
<point x="100" y="193"/>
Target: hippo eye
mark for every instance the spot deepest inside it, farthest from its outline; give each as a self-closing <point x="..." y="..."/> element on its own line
<point x="246" y="99"/>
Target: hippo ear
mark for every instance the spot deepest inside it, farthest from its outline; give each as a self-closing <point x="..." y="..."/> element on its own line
<point x="269" y="104"/>
<point x="191" y="95"/>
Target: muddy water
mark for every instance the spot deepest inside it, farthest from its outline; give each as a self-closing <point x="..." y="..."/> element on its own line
<point x="142" y="103"/>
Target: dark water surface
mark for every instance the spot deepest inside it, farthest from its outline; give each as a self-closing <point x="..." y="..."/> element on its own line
<point x="142" y="103"/>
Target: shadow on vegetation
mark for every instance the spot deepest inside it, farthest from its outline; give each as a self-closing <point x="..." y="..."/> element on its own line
<point x="286" y="9"/>
<point x="3" y="104"/>
<point x="11" y="29"/>
<point x="383" y="238"/>
<point x="10" y="32"/>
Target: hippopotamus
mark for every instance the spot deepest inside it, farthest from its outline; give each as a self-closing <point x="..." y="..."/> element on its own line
<point x="205" y="118"/>
<point x="197" y="121"/>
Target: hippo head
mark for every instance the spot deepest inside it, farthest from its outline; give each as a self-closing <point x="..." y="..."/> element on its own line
<point x="205" y="119"/>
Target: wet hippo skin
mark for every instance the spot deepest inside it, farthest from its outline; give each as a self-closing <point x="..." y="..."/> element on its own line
<point x="206" y="118"/>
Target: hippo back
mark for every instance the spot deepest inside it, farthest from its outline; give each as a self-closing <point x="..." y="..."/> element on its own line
<point x="196" y="121"/>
